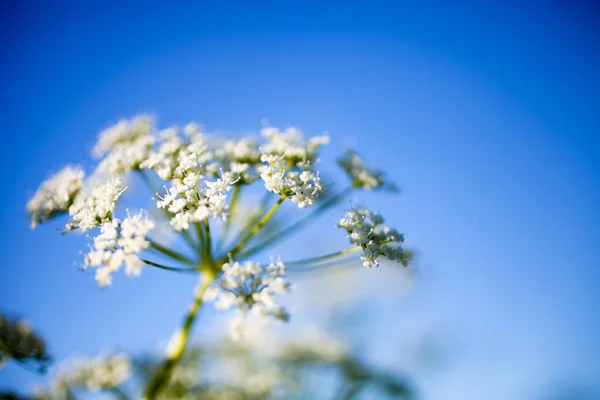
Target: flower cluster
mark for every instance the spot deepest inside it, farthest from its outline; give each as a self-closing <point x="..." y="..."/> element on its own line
<point x="55" y="195"/>
<point x="302" y="188"/>
<point x="119" y="243"/>
<point x="124" y="145"/>
<point x="291" y="144"/>
<point x="362" y="176"/>
<point x="106" y="371"/>
<point x="249" y="287"/>
<point x="95" y="204"/>
<point x="188" y="202"/>
<point x="367" y="229"/>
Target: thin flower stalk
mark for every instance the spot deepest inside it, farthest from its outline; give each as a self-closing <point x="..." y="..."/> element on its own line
<point x="170" y="253"/>
<point x="263" y="221"/>
<point x="297" y="226"/>
<point x="178" y="341"/>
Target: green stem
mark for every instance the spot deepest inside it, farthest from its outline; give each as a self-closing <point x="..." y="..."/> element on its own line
<point x="208" y="238"/>
<point x="200" y="233"/>
<point x="157" y="265"/>
<point x="257" y="227"/>
<point x="234" y="199"/>
<point x="171" y="253"/>
<point x="178" y="341"/>
<point x="325" y="257"/>
<point x="253" y="220"/>
<point x="295" y="227"/>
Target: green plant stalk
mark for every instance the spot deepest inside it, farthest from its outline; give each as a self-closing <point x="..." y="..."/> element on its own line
<point x="254" y="220"/>
<point x="234" y="200"/>
<point x="179" y="338"/>
<point x="325" y="257"/>
<point x="201" y="239"/>
<point x="171" y="253"/>
<point x="263" y="221"/>
<point x="157" y="265"/>
<point x="295" y="227"/>
<point x="208" y="244"/>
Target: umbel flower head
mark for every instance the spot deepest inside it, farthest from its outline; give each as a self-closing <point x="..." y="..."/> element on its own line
<point x="55" y="195"/>
<point x="362" y="175"/>
<point x="119" y="243"/>
<point x="367" y="230"/>
<point x="250" y="287"/>
<point x="200" y="185"/>
<point x="102" y="372"/>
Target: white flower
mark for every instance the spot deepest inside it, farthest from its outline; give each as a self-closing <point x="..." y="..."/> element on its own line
<point x="126" y="157"/>
<point x="249" y="287"/>
<point x="361" y="175"/>
<point x="119" y="243"/>
<point x="55" y="195"/>
<point x="366" y="229"/>
<point x="125" y="132"/>
<point x="303" y="188"/>
<point x="291" y="144"/>
<point x="95" y="204"/>
<point x="190" y="202"/>
<point x="94" y="373"/>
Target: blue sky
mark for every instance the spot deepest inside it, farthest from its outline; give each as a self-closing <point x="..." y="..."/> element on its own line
<point x="487" y="117"/>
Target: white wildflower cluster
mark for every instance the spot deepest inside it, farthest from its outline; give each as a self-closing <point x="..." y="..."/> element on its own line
<point x="190" y="203"/>
<point x="362" y="175"/>
<point x="124" y="145"/>
<point x="55" y="195"/>
<point x="288" y="159"/>
<point x="119" y="243"/>
<point x="239" y="157"/>
<point x="302" y="186"/>
<point x="95" y="204"/>
<point x="249" y="287"/>
<point x="319" y="344"/>
<point x="367" y="229"/>
<point x="177" y="156"/>
<point x="291" y="144"/>
<point x="105" y="371"/>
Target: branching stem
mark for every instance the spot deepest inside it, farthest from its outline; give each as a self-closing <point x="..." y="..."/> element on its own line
<point x="157" y="265"/>
<point x="295" y="227"/>
<point x="263" y="221"/>
<point x="171" y="253"/>
<point x="326" y="257"/>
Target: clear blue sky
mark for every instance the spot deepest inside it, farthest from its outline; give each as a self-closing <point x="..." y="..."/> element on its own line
<point x="487" y="116"/>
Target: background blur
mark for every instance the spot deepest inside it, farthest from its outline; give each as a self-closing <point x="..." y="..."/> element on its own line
<point x="486" y="115"/>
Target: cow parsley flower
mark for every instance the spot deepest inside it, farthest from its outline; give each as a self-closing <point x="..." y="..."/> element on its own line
<point x="249" y="287"/>
<point x="55" y="195"/>
<point x="291" y="144"/>
<point x="362" y="176"/>
<point x="119" y="243"/>
<point x="190" y="202"/>
<point x="106" y="371"/>
<point x="124" y="133"/>
<point x="367" y="229"/>
<point x="95" y="204"/>
<point x="301" y="184"/>
<point x="175" y="157"/>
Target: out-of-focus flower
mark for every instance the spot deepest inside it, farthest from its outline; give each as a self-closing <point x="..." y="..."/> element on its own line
<point x="55" y="195"/>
